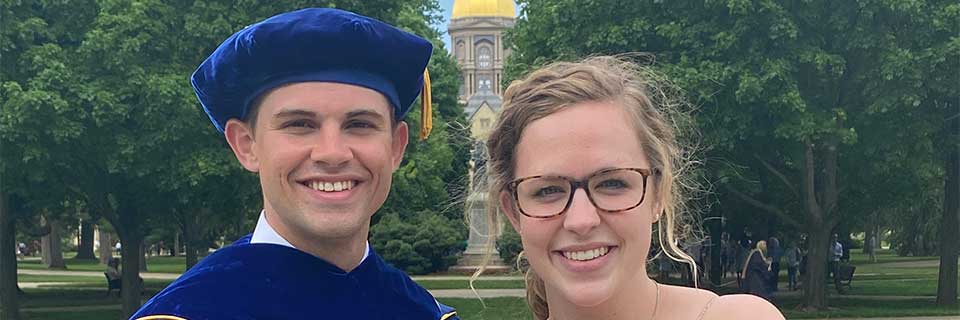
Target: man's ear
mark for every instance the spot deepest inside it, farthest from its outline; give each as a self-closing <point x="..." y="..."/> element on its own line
<point x="240" y="137"/>
<point x="400" y="136"/>
<point x="506" y="205"/>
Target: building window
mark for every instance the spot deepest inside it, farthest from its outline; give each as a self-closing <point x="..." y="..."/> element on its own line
<point x="484" y="57"/>
<point x="483" y="82"/>
<point x="484" y="123"/>
<point x="460" y="50"/>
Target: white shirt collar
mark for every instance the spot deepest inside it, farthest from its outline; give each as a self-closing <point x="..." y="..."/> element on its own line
<point x="264" y="233"/>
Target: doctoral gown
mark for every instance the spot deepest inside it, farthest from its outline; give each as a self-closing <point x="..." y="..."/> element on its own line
<point x="269" y="281"/>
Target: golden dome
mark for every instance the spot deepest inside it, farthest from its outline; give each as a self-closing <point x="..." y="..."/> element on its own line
<point x="483" y="8"/>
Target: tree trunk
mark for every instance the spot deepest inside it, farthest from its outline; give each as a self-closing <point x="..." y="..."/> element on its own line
<point x="106" y="246"/>
<point x="143" y="257"/>
<point x="875" y="229"/>
<point x="819" y="201"/>
<point x="50" y="246"/>
<point x="815" y="280"/>
<point x="130" y="247"/>
<point x="8" y="263"/>
<point x="950" y="227"/>
<point x="716" y="231"/>
<point x="175" y="250"/>
<point x="85" y="249"/>
<point x="189" y="242"/>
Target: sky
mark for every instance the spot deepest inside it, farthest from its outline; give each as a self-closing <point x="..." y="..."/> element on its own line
<point x="447" y="7"/>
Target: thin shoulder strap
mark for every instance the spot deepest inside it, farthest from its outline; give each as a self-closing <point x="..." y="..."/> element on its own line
<point x="707" y="307"/>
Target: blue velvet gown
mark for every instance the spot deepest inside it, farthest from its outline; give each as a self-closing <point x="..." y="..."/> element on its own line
<point x="268" y="281"/>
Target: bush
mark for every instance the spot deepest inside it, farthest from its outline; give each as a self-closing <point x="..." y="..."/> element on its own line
<point x="509" y="246"/>
<point x="421" y="243"/>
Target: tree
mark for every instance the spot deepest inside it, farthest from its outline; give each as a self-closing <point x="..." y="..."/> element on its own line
<point x="97" y="104"/>
<point x="950" y="224"/>
<point x="428" y="186"/>
<point x="943" y="63"/>
<point x="783" y="88"/>
<point x="419" y="243"/>
<point x="8" y="262"/>
<point x="34" y="118"/>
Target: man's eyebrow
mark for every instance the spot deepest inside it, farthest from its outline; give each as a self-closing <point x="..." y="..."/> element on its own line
<point x="365" y="112"/>
<point x="290" y="113"/>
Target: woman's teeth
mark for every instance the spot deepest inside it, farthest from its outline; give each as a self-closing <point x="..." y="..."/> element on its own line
<point x="586" y="255"/>
<point x="331" y="186"/>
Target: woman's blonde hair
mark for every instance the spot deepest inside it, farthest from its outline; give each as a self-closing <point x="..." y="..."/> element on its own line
<point x="761" y="249"/>
<point x="659" y="116"/>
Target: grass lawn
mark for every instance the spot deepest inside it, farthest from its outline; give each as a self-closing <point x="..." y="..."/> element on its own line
<point x="858" y="258"/>
<point x="154" y="264"/>
<point x="516" y="308"/>
<point x="496" y="309"/>
<point x="75" y="315"/>
<point x="77" y="296"/>
<point x="865" y="308"/>
<point x="465" y="284"/>
<point x="870" y="279"/>
<point x="100" y="282"/>
<point x="45" y="278"/>
<point x="881" y="279"/>
<point x="147" y="283"/>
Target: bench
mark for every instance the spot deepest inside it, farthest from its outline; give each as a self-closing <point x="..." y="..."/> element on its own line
<point x="112" y="284"/>
<point x="845" y="277"/>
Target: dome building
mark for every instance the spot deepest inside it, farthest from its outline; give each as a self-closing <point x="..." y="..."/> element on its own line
<point x="476" y="38"/>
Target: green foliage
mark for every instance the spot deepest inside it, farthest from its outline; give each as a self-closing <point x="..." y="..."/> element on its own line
<point x="509" y="246"/>
<point x="418" y="243"/>
<point x="431" y="177"/>
<point x="96" y="108"/>
<point x="852" y="81"/>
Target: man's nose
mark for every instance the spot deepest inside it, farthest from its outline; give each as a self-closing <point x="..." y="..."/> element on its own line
<point x="331" y="148"/>
<point x="582" y="216"/>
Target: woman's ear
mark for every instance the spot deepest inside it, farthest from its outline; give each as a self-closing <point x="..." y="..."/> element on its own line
<point x="657" y="212"/>
<point x="506" y="205"/>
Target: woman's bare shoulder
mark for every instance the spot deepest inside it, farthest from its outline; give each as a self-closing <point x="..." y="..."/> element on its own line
<point x="742" y="306"/>
<point x="686" y="302"/>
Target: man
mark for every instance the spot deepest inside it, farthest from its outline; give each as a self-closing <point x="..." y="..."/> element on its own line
<point x="793" y="256"/>
<point x="113" y="275"/>
<point x="113" y="270"/>
<point x="836" y="252"/>
<point x="871" y="248"/>
<point x="312" y="101"/>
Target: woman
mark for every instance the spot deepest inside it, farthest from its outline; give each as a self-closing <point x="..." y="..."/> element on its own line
<point x="757" y="272"/>
<point x="583" y="162"/>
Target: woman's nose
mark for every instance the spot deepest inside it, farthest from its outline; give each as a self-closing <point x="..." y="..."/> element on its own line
<point x="582" y="216"/>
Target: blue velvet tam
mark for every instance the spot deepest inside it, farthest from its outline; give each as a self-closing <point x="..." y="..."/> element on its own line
<point x="315" y="44"/>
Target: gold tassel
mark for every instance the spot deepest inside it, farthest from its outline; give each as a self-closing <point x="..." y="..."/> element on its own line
<point x="426" y="107"/>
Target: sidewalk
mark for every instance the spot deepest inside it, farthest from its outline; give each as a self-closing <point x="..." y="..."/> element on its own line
<point x="833" y="295"/>
<point x="172" y="276"/>
<point x="145" y="275"/>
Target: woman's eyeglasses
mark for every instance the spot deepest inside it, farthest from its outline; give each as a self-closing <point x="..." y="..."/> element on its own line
<point x="610" y="190"/>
